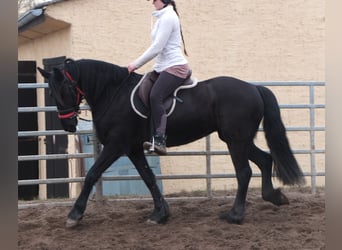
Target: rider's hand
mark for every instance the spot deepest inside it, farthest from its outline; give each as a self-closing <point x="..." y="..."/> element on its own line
<point x="131" y="67"/>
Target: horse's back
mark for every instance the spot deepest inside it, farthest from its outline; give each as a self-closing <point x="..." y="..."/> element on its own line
<point x="230" y="86"/>
<point x="227" y="93"/>
<point x="221" y="95"/>
<point x="220" y="104"/>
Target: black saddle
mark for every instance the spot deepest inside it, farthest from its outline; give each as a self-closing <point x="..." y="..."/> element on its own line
<point x="140" y="96"/>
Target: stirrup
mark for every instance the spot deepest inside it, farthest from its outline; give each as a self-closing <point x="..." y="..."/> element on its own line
<point x="158" y="147"/>
<point x="160" y="144"/>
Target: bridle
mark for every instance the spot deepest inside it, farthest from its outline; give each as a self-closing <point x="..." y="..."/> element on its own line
<point x="77" y="93"/>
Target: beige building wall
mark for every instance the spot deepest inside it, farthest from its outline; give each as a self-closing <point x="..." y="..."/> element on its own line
<point x="260" y="40"/>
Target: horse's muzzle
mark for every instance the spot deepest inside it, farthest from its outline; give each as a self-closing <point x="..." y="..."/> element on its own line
<point x="70" y="124"/>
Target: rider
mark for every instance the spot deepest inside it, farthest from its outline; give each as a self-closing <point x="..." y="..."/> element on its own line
<point x="170" y="70"/>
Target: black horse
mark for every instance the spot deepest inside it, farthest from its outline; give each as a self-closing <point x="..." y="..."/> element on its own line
<point x="230" y="106"/>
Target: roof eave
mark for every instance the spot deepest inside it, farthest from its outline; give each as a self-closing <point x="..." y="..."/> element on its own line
<point x="30" y="18"/>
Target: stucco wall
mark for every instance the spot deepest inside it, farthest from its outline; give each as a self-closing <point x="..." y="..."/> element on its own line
<point x="254" y="40"/>
<point x="264" y="40"/>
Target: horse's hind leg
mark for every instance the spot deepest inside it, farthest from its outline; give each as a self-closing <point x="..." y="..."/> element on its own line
<point x="161" y="212"/>
<point x="239" y="155"/>
<point x="264" y="161"/>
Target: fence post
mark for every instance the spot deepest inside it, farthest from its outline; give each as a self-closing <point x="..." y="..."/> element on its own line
<point x="97" y="150"/>
<point x="312" y="140"/>
<point x="208" y="166"/>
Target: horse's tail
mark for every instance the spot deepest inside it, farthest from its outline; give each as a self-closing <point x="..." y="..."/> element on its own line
<point x="285" y="164"/>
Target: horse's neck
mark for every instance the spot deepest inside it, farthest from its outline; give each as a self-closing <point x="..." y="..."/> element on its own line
<point x="100" y="87"/>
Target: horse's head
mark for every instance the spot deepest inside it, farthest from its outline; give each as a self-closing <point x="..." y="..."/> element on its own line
<point x="66" y="94"/>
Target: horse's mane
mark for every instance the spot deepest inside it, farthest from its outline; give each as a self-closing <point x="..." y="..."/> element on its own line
<point x="99" y="77"/>
<point x="102" y="81"/>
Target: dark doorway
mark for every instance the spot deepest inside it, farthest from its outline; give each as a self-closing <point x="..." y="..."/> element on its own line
<point x="56" y="144"/>
<point x="27" y="122"/>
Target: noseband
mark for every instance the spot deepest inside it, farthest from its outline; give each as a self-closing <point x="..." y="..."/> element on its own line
<point x="72" y="112"/>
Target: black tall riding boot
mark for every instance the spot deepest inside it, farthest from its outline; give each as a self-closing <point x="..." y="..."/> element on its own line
<point x="157" y="145"/>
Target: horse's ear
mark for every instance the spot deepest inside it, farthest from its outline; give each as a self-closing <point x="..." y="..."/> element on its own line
<point x="58" y="74"/>
<point x="44" y="73"/>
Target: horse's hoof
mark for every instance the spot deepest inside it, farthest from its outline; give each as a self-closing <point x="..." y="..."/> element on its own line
<point x="232" y="218"/>
<point x="70" y="223"/>
<point x="277" y="198"/>
<point x="156" y="218"/>
<point x="149" y="221"/>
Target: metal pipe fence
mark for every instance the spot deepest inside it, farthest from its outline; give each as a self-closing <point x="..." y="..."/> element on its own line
<point x="208" y="152"/>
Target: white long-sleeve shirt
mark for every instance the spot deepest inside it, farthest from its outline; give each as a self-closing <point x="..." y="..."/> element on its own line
<point x="166" y="43"/>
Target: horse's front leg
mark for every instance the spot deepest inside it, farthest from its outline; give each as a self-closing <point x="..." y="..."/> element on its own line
<point x="106" y="158"/>
<point x="161" y="211"/>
